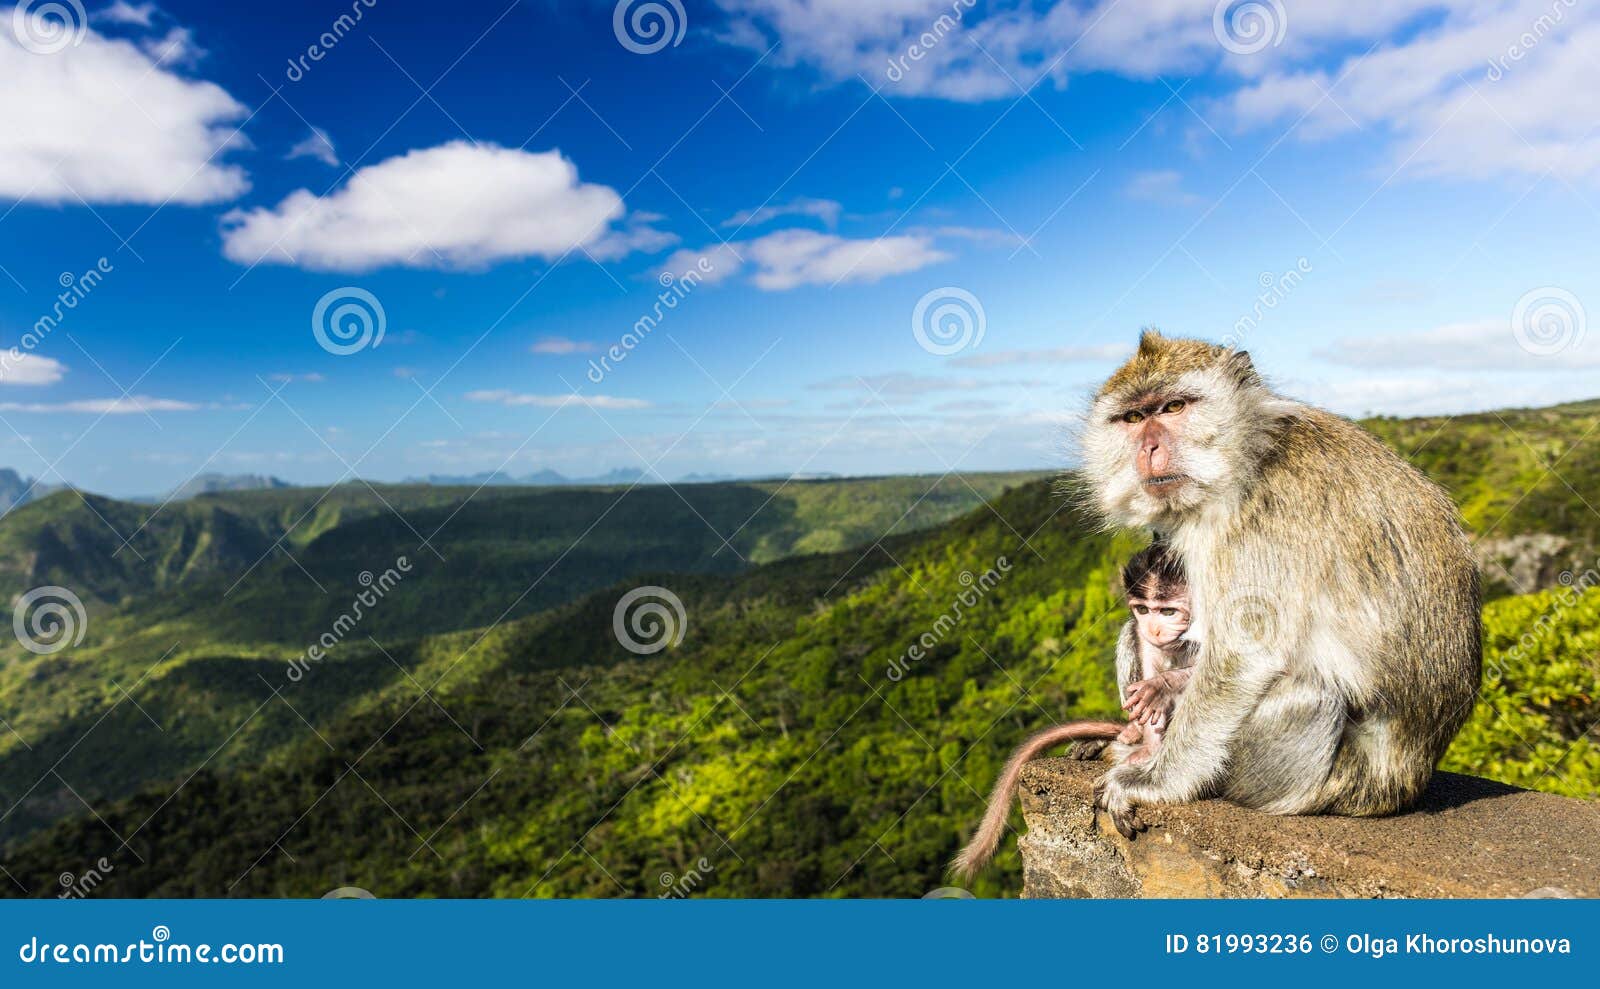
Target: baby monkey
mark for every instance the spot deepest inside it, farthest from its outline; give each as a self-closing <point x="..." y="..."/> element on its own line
<point x="1154" y="663"/>
<point x="1154" y="659"/>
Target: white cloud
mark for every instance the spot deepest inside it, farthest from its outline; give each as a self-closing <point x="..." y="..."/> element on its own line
<point x="1162" y="186"/>
<point x="18" y="368"/>
<point x="1486" y="345"/>
<point x="826" y="210"/>
<point x="1052" y="355"/>
<point x="103" y="121"/>
<point x="1490" y="88"/>
<point x="790" y="258"/>
<point x="512" y="399"/>
<point x="176" y="47"/>
<point x="561" y="345"/>
<point x="1461" y="87"/>
<point x="316" y="144"/>
<point x="131" y="405"/>
<point x="312" y="377"/>
<point x="123" y="12"/>
<point x="711" y="264"/>
<point x="457" y="205"/>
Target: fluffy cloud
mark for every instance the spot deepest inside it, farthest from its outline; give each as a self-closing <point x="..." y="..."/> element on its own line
<point x="316" y="144"/>
<point x="131" y="405"/>
<point x="123" y="12"/>
<point x="103" y="120"/>
<point x="790" y="258"/>
<point x="18" y="368"/>
<point x="512" y="399"/>
<point x="457" y="205"/>
<point x="826" y="210"/>
<point x="1462" y="87"/>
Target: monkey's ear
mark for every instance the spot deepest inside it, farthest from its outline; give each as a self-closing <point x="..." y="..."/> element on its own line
<point x="1150" y="340"/>
<point x="1240" y="365"/>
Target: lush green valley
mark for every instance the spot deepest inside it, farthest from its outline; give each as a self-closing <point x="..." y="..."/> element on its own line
<point x="199" y="611"/>
<point x="791" y="744"/>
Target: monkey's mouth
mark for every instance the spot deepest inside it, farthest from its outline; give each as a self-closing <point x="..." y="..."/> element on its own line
<point x="1165" y="481"/>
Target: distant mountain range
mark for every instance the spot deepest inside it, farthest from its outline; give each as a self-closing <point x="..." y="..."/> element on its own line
<point x="18" y="489"/>
<point x="621" y="475"/>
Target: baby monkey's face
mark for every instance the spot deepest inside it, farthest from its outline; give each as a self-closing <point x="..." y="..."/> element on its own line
<point x="1162" y="620"/>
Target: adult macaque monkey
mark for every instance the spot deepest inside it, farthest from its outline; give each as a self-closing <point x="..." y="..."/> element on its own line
<point x="1335" y="600"/>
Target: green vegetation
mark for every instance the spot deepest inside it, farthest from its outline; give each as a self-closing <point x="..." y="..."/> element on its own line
<point x="790" y="745"/>
<point x="191" y="621"/>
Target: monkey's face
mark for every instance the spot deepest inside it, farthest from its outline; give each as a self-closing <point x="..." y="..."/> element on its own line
<point x="1161" y="620"/>
<point x="1175" y="428"/>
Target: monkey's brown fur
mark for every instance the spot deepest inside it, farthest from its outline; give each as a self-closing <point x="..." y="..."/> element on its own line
<point x="1335" y="598"/>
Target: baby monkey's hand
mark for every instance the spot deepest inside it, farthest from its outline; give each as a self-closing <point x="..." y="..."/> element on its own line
<point x="1148" y="701"/>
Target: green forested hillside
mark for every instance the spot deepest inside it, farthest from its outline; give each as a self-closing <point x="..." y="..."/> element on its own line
<point x="790" y="745"/>
<point x="210" y="597"/>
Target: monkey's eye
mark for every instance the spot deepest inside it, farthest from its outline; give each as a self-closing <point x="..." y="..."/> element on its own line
<point x="1140" y="609"/>
<point x="1168" y="612"/>
<point x="1176" y="405"/>
<point x="1133" y="416"/>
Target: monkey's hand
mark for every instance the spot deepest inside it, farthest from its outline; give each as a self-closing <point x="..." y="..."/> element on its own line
<point x="1148" y="701"/>
<point x="1111" y="795"/>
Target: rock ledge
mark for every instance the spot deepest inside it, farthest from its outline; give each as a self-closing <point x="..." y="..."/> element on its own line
<point x="1470" y="837"/>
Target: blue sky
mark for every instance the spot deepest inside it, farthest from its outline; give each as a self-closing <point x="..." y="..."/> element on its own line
<point x="1390" y="205"/>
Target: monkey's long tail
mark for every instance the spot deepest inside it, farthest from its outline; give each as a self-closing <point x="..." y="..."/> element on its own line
<point x="987" y="838"/>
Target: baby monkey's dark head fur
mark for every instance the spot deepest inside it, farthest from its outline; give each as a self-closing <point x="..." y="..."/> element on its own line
<point x="1180" y="427"/>
<point x="1154" y="572"/>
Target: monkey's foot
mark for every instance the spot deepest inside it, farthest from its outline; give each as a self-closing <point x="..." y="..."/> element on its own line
<point x="1086" y="749"/>
<point x="1111" y="797"/>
